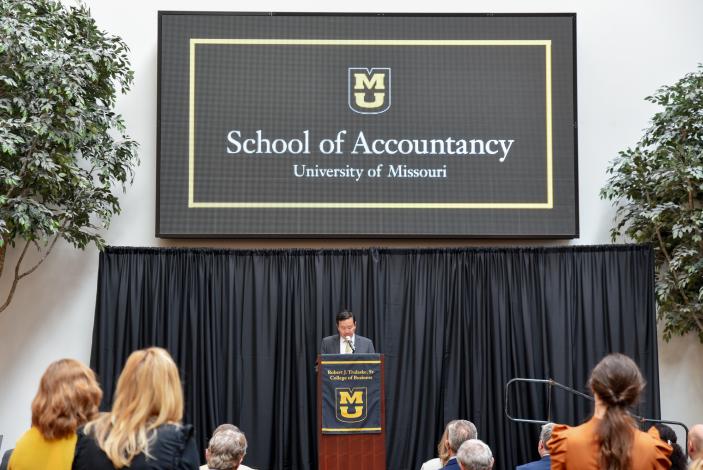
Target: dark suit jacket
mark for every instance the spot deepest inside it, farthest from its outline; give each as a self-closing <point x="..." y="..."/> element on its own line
<point x="330" y="345"/>
<point x="452" y="464"/>
<point x="543" y="464"/>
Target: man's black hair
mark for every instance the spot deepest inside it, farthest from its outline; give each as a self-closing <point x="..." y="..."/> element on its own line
<point x="345" y="315"/>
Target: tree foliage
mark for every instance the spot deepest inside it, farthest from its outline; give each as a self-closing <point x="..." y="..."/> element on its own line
<point x="658" y="188"/>
<point x="63" y="149"/>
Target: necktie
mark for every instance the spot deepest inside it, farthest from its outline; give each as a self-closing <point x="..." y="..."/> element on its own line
<point x="347" y="347"/>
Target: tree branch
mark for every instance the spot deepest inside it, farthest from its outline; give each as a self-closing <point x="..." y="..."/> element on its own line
<point x="668" y="260"/>
<point x="16" y="279"/>
<point x="662" y="245"/>
<point x="46" y="253"/>
<point x="18" y="275"/>
<point x="13" y="192"/>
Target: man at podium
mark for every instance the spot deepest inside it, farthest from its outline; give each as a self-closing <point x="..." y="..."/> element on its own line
<point x="346" y="342"/>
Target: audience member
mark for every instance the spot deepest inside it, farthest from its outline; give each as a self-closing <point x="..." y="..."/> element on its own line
<point x="442" y="451"/>
<point x="225" y="427"/>
<point x="226" y="450"/>
<point x="68" y="397"/>
<point x="544" y="463"/>
<point x="458" y="432"/>
<point x="610" y="440"/>
<point x="5" y="459"/>
<point x="677" y="457"/>
<point x="695" y="442"/>
<point x="475" y="455"/>
<point x="143" y="430"/>
<point x="219" y="429"/>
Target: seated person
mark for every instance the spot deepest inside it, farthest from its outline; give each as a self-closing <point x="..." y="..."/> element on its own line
<point x="68" y="397"/>
<point x="226" y="450"/>
<point x="475" y="455"/>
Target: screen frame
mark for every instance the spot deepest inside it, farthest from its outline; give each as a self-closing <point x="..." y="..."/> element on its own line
<point x="282" y="236"/>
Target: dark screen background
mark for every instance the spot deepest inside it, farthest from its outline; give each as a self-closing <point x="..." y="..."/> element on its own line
<point x="437" y="91"/>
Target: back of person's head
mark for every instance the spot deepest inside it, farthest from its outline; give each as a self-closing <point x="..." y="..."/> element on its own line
<point x="677" y="457"/>
<point x="68" y="397"/>
<point x="617" y="382"/>
<point x="546" y="434"/>
<point x="459" y="431"/>
<point x="226" y="450"/>
<point x="475" y="455"/>
<point x="148" y="394"/>
<point x="695" y="442"/>
<point x="225" y="427"/>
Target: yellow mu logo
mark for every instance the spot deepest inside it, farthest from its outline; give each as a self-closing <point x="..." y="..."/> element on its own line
<point x="369" y="90"/>
<point x="351" y="404"/>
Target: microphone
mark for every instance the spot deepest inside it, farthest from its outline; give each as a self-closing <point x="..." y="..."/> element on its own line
<point x="349" y="342"/>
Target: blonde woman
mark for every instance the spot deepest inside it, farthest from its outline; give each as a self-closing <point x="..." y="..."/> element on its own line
<point x="68" y="397"/>
<point x="443" y="452"/>
<point x="143" y="430"/>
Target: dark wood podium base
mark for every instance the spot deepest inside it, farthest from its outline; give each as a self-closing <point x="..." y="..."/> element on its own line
<point x="359" y="452"/>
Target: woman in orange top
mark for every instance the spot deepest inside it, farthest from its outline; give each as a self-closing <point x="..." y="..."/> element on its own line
<point x="610" y="440"/>
<point x="68" y="397"/>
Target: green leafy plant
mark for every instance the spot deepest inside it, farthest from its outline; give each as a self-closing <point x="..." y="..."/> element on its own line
<point x="658" y="188"/>
<point x="63" y="149"/>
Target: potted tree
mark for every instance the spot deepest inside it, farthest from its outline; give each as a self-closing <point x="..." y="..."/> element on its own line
<point x="657" y="186"/>
<point x="63" y="149"/>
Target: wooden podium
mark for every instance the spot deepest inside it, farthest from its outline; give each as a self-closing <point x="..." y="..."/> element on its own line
<point x="351" y="451"/>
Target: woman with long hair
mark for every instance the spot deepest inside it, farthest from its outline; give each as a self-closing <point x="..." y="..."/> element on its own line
<point x="68" y="397"/>
<point x="143" y="430"/>
<point x="443" y="453"/>
<point x="610" y="440"/>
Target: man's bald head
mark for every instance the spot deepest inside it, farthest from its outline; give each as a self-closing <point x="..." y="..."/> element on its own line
<point x="695" y="442"/>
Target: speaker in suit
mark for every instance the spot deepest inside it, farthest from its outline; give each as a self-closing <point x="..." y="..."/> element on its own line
<point x="346" y="327"/>
<point x="330" y="345"/>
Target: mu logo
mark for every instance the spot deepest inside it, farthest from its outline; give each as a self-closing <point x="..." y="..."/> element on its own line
<point x="351" y="404"/>
<point x="369" y="90"/>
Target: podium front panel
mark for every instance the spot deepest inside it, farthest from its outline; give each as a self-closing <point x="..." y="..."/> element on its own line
<point x="348" y="439"/>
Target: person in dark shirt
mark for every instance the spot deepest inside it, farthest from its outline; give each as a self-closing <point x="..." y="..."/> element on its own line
<point x="544" y="463"/>
<point x="143" y="430"/>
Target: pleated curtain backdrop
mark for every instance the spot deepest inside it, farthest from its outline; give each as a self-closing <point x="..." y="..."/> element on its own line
<point x="454" y="325"/>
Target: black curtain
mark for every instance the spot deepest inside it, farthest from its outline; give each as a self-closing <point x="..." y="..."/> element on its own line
<point x="454" y="324"/>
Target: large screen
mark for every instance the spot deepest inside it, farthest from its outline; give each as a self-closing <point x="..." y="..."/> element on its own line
<point x="335" y="125"/>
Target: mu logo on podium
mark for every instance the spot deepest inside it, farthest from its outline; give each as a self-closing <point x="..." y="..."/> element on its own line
<point x="369" y="90"/>
<point x="350" y="393"/>
<point x="351" y="404"/>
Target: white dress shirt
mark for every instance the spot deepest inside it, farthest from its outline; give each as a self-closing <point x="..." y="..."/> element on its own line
<point x="343" y="344"/>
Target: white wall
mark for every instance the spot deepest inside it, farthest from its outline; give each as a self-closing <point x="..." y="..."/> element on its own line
<point x="626" y="49"/>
